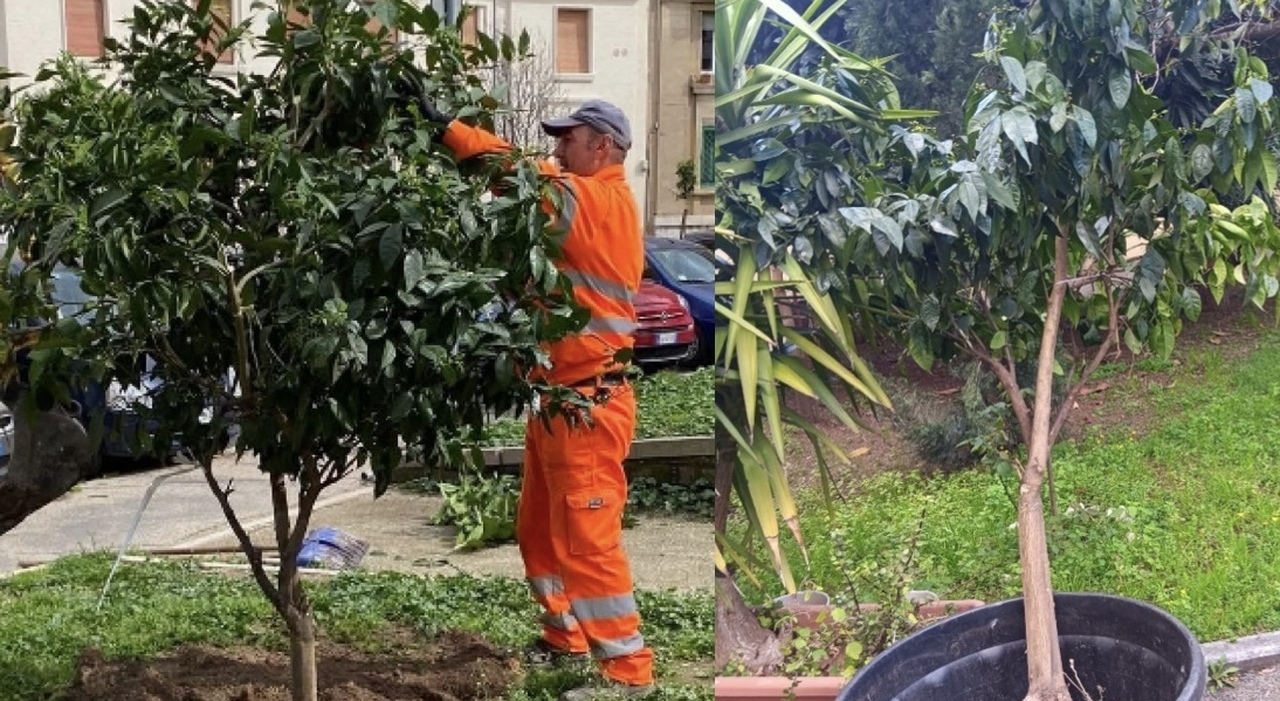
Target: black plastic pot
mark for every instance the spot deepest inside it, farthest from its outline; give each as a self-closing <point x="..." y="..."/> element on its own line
<point x="1133" y="650"/>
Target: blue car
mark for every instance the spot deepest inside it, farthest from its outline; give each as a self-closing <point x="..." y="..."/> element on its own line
<point x="122" y="422"/>
<point x="688" y="269"/>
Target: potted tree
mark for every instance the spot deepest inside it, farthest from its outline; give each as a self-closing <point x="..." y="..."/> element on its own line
<point x="1089" y="204"/>
<point x="300" y="258"/>
<point x="784" y="108"/>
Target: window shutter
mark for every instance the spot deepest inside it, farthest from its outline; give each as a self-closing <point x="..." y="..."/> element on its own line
<point x="85" y="27"/>
<point x="573" y="41"/>
<point x="471" y="24"/>
<point x="707" y="160"/>
<point x="222" y="10"/>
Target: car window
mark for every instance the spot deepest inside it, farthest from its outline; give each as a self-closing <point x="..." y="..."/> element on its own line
<point x="686" y="265"/>
<point x="67" y="293"/>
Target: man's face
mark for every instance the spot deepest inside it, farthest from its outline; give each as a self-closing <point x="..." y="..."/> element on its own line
<point x="581" y="150"/>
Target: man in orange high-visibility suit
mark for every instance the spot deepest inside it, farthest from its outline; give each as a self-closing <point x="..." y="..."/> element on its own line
<point x="569" y="521"/>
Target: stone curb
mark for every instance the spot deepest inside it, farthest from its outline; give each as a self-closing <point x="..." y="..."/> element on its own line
<point x="1248" y="653"/>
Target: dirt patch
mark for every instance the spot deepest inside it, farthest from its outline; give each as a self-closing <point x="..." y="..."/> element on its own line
<point x="455" y="666"/>
<point x="1228" y="330"/>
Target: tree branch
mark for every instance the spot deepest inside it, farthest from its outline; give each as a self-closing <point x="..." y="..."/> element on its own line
<point x="1009" y="380"/>
<point x="1112" y="338"/>
<point x="252" y="553"/>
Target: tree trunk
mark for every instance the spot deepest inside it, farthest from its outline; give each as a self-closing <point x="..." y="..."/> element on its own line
<point x="740" y="639"/>
<point x="1044" y="656"/>
<point x="302" y="656"/>
<point x="684" y="217"/>
<point x="730" y="402"/>
<point x="739" y="636"/>
<point x="51" y="453"/>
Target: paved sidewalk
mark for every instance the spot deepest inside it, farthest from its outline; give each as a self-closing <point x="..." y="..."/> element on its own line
<point x="1262" y="685"/>
<point x="97" y="514"/>
<point x="666" y="553"/>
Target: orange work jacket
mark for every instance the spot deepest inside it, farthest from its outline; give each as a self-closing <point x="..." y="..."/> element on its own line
<point x="602" y="253"/>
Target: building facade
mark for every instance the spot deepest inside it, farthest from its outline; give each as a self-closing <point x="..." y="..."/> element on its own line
<point x="683" y="95"/>
<point x="596" y="49"/>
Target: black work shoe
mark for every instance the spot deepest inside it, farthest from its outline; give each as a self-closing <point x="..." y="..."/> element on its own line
<point x="608" y="691"/>
<point x="544" y="654"/>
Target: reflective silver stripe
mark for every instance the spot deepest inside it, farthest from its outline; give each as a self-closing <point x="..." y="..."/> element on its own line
<point x="563" y="621"/>
<point x="549" y="585"/>
<point x="569" y="207"/>
<point x="600" y="285"/>
<point x="611" y="324"/>
<point x="604" y="607"/>
<point x="603" y="649"/>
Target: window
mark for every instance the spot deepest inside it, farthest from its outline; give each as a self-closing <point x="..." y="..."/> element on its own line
<point x="222" y="10"/>
<point x="85" y="26"/>
<point x="573" y="41"/>
<point x="472" y="23"/>
<point x="302" y="20"/>
<point x="708" y="42"/>
<point x="373" y="26"/>
<point x="707" y="162"/>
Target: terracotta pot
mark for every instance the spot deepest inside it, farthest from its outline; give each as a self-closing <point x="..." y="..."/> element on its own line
<point x="778" y="688"/>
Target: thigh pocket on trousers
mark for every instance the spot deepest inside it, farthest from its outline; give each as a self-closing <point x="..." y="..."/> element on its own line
<point x="593" y="521"/>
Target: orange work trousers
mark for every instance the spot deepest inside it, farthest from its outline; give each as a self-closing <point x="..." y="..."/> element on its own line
<point x="569" y="528"/>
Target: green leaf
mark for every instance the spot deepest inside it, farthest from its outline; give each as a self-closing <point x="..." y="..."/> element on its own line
<point x="968" y="194"/>
<point x="1013" y="69"/>
<point x="104" y="203"/>
<point x="390" y="245"/>
<point x="1089" y="238"/>
<point x="999" y="192"/>
<point x="1084" y="120"/>
<point x="413" y="272"/>
<point x="999" y="340"/>
<point x="1119" y="83"/>
<point x="1191" y="304"/>
<point x="930" y="312"/>
<point x="1020" y="127"/>
<point x="1201" y="161"/>
<point x="1131" y="341"/>
<point x="1058" y="116"/>
<point x="1268" y="170"/>
<point x="1173" y="157"/>
<point x="1140" y="60"/>
<point x="1246" y="105"/>
<point x="1261" y="91"/>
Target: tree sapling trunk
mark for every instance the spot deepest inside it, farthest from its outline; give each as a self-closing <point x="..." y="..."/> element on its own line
<point x="1044" y="658"/>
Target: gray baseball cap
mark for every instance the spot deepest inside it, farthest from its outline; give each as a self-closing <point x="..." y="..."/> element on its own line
<point x="602" y="116"/>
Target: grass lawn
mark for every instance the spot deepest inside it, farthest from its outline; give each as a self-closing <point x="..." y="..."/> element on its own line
<point x="48" y="617"/>
<point x="668" y="404"/>
<point x="1184" y="513"/>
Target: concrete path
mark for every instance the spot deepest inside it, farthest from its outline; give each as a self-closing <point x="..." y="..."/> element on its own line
<point x="665" y="552"/>
<point x="97" y="514"/>
<point x="1262" y="685"/>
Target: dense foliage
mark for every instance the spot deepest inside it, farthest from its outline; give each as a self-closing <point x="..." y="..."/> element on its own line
<point x="314" y="277"/>
<point x="299" y="227"/>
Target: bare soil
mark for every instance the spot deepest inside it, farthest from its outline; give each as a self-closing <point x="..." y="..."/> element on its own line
<point x="1230" y="329"/>
<point x="455" y="666"/>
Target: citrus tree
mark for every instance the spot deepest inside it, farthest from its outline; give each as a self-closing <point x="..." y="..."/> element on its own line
<point x="312" y="275"/>
<point x="1080" y="206"/>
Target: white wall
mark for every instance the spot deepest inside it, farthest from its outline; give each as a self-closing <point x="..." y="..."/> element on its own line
<point x="31" y="32"/>
<point x="619" y="62"/>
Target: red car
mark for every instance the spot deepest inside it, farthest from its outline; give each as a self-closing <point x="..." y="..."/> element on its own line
<point x="666" y="332"/>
